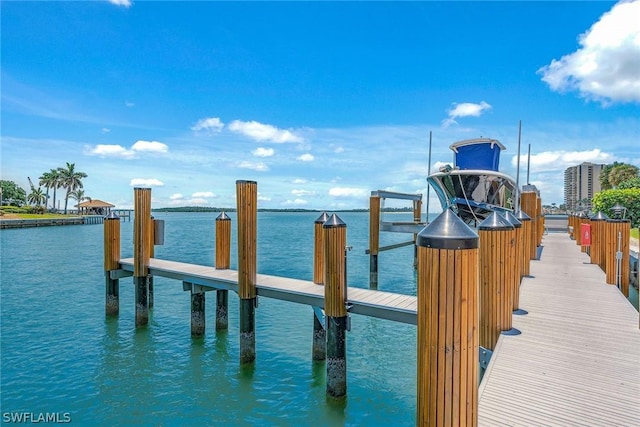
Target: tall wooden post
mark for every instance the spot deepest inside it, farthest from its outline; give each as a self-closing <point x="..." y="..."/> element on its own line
<point x="319" y="342"/>
<point x="617" y="253"/>
<point x="517" y="249"/>
<point x="495" y="284"/>
<point x="447" y="323"/>
<point x="598" y="222"/>
<point x="374" y="240"/>
<point x="247" y="201"/>
<point x="525" y="243"/>
<point x="141" y="250"/>
<point x="223" y="261"/>
<point x="198" y="319"/>
<point x="335" y="298"/>
<point x="111" y="262"/>
<point x="529" y="206"/>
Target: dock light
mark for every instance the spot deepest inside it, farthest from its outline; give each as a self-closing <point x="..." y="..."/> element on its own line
<point x="619" y="211"/>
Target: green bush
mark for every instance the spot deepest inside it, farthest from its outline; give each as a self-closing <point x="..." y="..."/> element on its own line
<point x="629" y="198"/>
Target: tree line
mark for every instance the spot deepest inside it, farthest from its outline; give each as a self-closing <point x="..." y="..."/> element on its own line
<point x="66" y="178"/>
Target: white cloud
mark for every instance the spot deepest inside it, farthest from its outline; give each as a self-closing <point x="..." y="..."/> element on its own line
<point x="606" y="67"/>
<point x="302" y="193"/>
<point x="263" y="132"/>
<point x="146" y="182"/>
<point x="560" y="160"/>
<point x="129" y="104"/>
<point x="338" y="150"/>
<point x="197" y="201"/>
<point x="115" y="150"/>
<point x="176" y="196"/>
<point x="299" y="181"/>
<point x="106" y="130"/>
<point x="211" y="124"/>
<point x="149" y="147"/>
<point x="307" y="157"/>
<point x="105" y="150"/>
<point x="465" y="109"/>
<point x="260" y="167"/>
<point x="348" y="192"/>
<point x="263" y="152"/>
<point x="263" y="198"/>
<point x="123" y="3"/>
<point x="200" y="194"/>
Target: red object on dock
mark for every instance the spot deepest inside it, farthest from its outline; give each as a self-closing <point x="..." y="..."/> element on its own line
<point x="585" y="234"/>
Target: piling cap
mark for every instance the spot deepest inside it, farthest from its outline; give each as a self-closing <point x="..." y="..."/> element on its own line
<point x="334" y="221"/>
<point x="512" y="219"/>
<point x="447" y="231"/>
<point x="322" y="218"/>
<point x="223" y="217"/>
<point x="599" y="217"/>
<point x="112" y="215"/>
<point x="494" y="222"/>
<point x="522" y="216"/>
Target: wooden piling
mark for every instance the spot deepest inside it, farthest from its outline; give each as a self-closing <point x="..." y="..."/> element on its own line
<point x="598" y="223"/>
<point x="616" y="255"/>
<point x="525" y="266"/>
<point x="495" y="288"/>
<point x="374" y="240"/>
<point x="247" y="200"/>
<point x="198" y="318"/>
<point x="335" y="297"/>
<point x="223" y="261"/>
<point x="111" y="263"/>
<point x="319" y="341"/>
<point x="529" y="205"/>
<point x="447" y="323"/>
<point x="516" y="262"/>
<point x="141" y="251"/>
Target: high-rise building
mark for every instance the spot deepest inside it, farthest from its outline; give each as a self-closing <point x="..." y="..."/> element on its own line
<point x="581" y="183"/>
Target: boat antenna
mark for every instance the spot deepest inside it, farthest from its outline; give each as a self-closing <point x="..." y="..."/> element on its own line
<point x="517" y="201"/>
<point x="528" y="163"/>
<point x="428" y="173"/>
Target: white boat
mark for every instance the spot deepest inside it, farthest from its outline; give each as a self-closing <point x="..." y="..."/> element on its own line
<point x="473" y="187"/>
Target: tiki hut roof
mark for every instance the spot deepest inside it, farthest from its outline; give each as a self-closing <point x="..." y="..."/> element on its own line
<point x="95" y="203"/>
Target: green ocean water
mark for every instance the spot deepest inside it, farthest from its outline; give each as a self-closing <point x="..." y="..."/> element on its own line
<point x="61" y="356"/>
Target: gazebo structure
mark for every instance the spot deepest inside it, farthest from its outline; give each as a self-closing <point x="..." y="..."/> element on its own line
<point x="94" y="207"/>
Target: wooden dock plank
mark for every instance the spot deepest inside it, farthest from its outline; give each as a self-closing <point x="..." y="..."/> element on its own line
<point x="576" y="361"/>
<point x="384" y="305"/>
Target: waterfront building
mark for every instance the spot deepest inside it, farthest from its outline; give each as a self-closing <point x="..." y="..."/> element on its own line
<point x="581" y="183"/>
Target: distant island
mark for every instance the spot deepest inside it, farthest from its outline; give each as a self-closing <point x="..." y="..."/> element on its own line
<point x="214" y="209"/>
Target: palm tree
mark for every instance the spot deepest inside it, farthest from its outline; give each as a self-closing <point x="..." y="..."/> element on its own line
<point x="78" y="196"/>
<point x="71" y="180"/>
<point x="54" y="182"/>
<point x="47" y="180"/>
<point x="36" y="196"/>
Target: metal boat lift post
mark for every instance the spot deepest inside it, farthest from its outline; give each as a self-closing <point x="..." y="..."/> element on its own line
<point x="376" y="225"/>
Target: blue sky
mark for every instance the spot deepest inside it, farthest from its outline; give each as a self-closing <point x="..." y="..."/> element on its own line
<point x="320" y="103"/>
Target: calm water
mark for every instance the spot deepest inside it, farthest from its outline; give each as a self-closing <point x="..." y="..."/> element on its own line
<point x="61" y="355"/>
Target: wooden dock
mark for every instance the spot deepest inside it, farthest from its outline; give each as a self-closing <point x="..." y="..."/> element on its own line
<point x="577" y="361"/>
<point x="384" y="305"/>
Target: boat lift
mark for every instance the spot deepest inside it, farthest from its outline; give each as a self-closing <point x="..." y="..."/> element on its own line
<point x="376" y="225"/>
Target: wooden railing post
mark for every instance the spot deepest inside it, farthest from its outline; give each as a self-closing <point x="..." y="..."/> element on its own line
<point x="223" y="261"/>
<point x="111" y="262"/>
<point x="335" y="297"/>
<point x="247" y="200"/>
<point x="447" y="323"/>
<point x="529" y="206"/>
<point x="374" y="240"/>
<point x="319" y="342"/>
<point x="141" y="251"/>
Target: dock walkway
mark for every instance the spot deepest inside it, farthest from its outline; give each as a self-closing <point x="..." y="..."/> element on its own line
<point x="384" y="305"/>
<point x="577" y="361"/>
